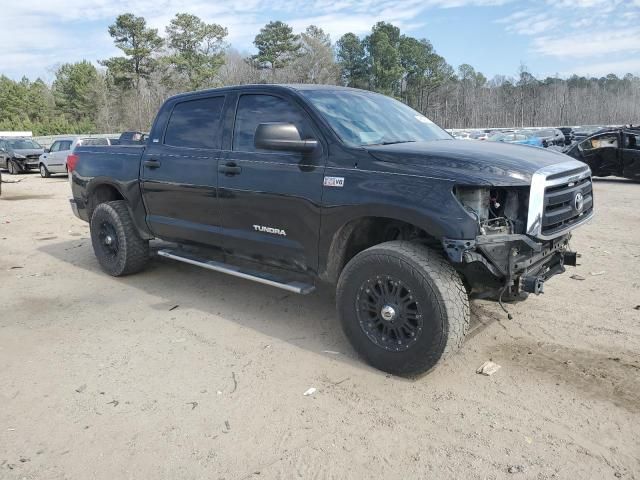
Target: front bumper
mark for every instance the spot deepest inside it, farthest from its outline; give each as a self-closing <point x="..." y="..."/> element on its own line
<point x="517" y="261"/>
<point x="28" y="162"/>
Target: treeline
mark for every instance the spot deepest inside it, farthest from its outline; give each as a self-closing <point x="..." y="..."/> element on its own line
<point x="124" y="92"/>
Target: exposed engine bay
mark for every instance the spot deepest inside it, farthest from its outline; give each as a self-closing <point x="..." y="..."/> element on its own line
<point x="498" y="210"/>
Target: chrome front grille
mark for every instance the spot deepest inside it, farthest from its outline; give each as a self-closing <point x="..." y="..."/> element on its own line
<point x="563" y="207"/>
<point x="561" y="198"/>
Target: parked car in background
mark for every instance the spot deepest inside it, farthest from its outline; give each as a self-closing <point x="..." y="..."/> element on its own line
<point x="479" y="135"/>
<point x="580" y="133"/>
<point x="568" y="135"/>
<point x="19" y="154"/>
<point x="54" y="159"/>
<point x="525" y="137"/>
<point x="613" y="152"/>
<point x="518" y="138"/>
<point x="549" y="136"/>
<point x="462" y="136"/>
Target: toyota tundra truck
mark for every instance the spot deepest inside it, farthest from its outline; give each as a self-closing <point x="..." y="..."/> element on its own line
<point x="297" y="185"/>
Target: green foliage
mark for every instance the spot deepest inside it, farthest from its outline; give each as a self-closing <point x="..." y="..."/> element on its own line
<point x="126" y="95"/>
<point x="197" y="49"/>
<point x="352" y="61"/>
<point x="383" y="47"/>
<point x="277" y="46"/>
<point x="140" y="46"/>
<point x="74" y="91"/>
<point x="67" y="107"/>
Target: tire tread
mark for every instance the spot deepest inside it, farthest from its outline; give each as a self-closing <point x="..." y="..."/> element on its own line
<point x="441" y="282"/>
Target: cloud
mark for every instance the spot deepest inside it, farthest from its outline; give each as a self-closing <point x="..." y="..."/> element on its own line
<point x="599" y="33"/>
<point x="590" y="44"/>
<point x="604" y="68"/>
<point x="37" y="35"/>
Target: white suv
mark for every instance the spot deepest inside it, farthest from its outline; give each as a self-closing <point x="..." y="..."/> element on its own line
<point x="54" y="160"/>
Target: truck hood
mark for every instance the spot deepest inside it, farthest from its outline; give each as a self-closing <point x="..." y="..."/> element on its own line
<point x="470" y="162"/>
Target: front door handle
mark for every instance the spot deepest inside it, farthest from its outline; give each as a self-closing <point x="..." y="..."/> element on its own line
<point x="152" y="163"/>
<point x="230" y="168"/>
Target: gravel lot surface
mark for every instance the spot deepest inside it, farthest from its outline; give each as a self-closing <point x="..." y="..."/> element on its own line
<point x="182" y="373"/>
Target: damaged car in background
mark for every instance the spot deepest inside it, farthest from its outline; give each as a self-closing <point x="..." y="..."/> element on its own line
<point x="615" y="152"/>
<point x="19" y="154"/>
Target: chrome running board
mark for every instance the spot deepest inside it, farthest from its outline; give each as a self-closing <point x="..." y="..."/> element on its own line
<point x="260" y="277"/>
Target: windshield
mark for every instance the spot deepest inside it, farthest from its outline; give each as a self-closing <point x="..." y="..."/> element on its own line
<point x="23" y="144"/>
<point x="362" y="118"/>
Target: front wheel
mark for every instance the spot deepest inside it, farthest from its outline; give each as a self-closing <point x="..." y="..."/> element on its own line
<point x="14" y="168"/>
<point x="116" y="242"/>
<point x="44" y="172"/>
<point x="402" y="306"/>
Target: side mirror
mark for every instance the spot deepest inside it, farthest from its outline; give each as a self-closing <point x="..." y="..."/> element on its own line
<point x="282" y="136"/>
<point x="47" y="150"/>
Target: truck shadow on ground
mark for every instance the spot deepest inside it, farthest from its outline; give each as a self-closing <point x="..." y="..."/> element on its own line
<point x="305" y="321"/>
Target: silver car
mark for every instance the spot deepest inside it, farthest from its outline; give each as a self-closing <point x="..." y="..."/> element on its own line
<point x="54" y="159"/>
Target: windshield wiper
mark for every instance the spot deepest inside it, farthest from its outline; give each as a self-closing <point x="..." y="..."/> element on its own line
<point x="391" y="143"/>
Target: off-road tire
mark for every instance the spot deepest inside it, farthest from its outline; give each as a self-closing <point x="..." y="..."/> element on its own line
<point x="131" y="253"/>
<point x="44" y="171"/>
<point x="434" y="284"/>
<point x="14" y="168"/>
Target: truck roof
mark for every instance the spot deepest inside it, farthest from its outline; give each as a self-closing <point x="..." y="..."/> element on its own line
<point x="274" y="86"/>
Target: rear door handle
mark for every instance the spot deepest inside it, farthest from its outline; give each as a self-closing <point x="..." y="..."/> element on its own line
<point x="230" y="168"/>
<point x="152" y="163"/>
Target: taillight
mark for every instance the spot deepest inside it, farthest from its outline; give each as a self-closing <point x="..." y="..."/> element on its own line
<point x="72" y="161"/>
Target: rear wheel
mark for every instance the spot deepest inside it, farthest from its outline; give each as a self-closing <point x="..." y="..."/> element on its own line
<point x="44" y="172"/>
<point x="402" y="306"/>
<point x="116" y="243"/>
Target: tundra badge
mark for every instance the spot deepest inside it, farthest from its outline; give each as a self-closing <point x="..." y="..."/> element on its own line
<point x="276" y="231"/>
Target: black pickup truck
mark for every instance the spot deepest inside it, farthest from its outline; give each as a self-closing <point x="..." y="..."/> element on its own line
<point x="296" y="185"/>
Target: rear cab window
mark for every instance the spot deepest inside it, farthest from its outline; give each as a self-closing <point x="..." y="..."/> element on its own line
<point x="195" y="123"/>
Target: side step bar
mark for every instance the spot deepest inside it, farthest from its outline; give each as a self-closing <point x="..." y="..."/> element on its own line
<point x="260" y="277"/>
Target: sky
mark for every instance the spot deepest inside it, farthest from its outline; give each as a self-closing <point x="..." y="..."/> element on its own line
<point x="550" y="37"/>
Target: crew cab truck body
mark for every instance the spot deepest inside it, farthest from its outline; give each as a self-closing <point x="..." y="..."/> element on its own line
<point x="302" y="184"/>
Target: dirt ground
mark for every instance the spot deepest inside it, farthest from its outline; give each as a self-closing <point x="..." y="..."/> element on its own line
<point x="182" y="373"/>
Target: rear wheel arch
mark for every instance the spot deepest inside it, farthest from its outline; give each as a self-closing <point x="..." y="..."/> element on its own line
<point x="101" y="193"/>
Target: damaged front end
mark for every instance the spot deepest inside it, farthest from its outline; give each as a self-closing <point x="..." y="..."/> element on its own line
<point x="523" y="232"/>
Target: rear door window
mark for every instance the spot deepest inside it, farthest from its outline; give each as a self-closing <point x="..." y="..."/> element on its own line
<point x="195" y="124"/>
